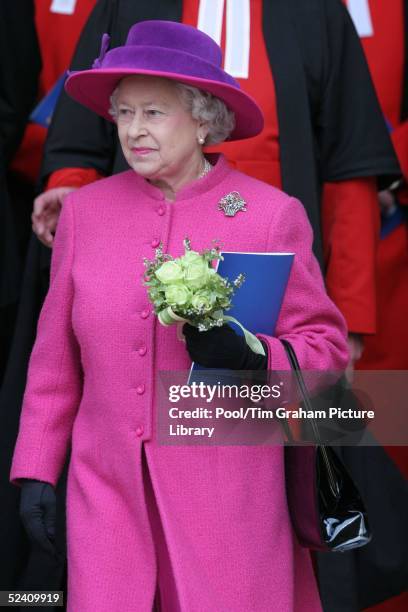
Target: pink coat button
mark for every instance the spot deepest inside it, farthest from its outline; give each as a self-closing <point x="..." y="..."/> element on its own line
<point x="139" y="430"/>
<point x="140" y="389"/>
<point x="142" y="350"/>
<point x="161" y="211"/>
<point x="144" y="314"/>
<point x="155" y="243"/>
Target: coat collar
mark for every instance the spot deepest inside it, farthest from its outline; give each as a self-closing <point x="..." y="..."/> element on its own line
<point x="196" y="188"/>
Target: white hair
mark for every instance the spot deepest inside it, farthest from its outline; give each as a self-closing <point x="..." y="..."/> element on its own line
<point x="203" y="106"/>
<point x="209" y="109"/>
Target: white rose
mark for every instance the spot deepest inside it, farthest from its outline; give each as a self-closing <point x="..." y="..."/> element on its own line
<point x="203" y="301"/>
<point x="177" y="295"/>
<point x="196" y="273"/>
<point x="189" y="257"/>
<point x="169" y="273"/>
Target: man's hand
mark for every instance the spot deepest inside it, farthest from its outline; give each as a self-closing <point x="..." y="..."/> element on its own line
<point x="386" y="199"/>
<point x="47" y="208"/>
<point x="356" y="347"/>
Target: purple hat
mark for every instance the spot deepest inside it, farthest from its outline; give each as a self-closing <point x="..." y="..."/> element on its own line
<point x="167" y="49"/>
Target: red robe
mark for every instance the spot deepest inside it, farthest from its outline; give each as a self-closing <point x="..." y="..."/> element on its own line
<point x="385" y="51"/>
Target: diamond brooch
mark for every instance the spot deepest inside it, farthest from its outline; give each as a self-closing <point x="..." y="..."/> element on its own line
<point x="232" y="203"/>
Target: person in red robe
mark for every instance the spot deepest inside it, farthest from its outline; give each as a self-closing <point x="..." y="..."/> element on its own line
<point x="385" y="47"/>
<point x="383" y="30"/>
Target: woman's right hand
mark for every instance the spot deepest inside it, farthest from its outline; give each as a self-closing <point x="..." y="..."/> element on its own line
<point x="38" y="504"/>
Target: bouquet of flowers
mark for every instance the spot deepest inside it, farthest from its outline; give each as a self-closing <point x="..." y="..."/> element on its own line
<point x="187" y="289"/>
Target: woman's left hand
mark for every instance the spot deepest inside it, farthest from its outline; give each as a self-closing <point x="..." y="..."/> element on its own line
<point x="221" y="347"/>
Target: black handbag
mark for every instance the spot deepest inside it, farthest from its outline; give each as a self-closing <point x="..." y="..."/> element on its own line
<point x="325" y="506"/>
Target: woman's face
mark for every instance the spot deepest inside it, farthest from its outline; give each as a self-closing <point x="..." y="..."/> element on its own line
<point x="159" y="137"/>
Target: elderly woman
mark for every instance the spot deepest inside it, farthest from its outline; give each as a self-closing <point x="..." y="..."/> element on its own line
<point x="207" y="528"/>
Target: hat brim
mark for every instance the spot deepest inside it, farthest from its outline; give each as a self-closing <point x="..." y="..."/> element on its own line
<point x="93" y="89"/>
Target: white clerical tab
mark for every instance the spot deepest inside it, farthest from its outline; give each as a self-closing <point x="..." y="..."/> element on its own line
<point x="210" y="15"/>
<point x="238" y="27"/>
<point x="361" y="15"/>
<point x="237" y="46"/>
<point x="63" y="7"/>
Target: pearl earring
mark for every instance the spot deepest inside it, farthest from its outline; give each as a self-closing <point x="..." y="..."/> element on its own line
<point x="201" y="140"/>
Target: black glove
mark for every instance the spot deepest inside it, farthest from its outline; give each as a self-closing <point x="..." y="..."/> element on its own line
<point x="221" y="347"/>
<point x="38" y="504"/>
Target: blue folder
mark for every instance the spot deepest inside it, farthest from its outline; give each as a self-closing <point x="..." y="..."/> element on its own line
<point x="257" y="303"/>
<point x="42" y="114"/>
<point x="390" y="222"/>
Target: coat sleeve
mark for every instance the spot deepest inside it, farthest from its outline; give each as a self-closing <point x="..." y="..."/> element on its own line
<point x="72" y="177"/>
<point x="350" y="241"/>
<point x="400" y="141"/>
<point x="352" y="134"/>
<point x="308" y="318"/>
<point x="54" y="380"/>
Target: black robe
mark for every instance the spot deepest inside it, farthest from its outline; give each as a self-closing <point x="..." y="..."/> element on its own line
<point x="20" y="64"/>
<point x="331" y="128"/>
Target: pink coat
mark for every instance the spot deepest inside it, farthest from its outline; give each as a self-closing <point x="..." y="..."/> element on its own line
<point x="91" y="382"/>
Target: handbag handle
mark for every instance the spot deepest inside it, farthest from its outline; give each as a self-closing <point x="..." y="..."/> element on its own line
<point x="306" y="398"/>
<point x="302" y="386"/>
